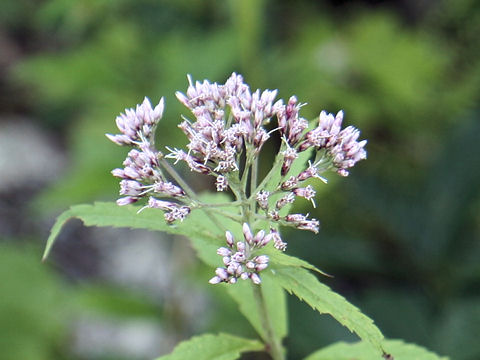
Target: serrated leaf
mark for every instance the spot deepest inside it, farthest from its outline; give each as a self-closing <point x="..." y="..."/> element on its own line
<point x="363" y="351"/>
<point x="110" y="214"/>
<point x="213" y="347"/>
<point x="280" y="259"/>
<point x="306" y="287"/>
<point x="274" y="295"/>
<point x="204" y="236"/>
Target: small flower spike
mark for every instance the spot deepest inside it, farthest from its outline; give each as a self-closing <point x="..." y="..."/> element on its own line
<point x="138" y="125"/>
<point x="341" y="146"/>
<point x="240" y="260"/>
<point x="142" y="175"/>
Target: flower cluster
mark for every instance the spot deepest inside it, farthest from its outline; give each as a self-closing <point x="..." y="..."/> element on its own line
<point x="227" y="118"/>
<point x="226" y="134"/>
<point x="142" y="175"/>
<point x="240" y="260"/>
<point x="341" y="145"/>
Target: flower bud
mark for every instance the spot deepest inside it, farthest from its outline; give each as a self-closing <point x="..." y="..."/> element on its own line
<point x="255" y="278"/>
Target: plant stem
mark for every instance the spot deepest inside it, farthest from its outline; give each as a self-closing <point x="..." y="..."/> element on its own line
<point x="190" y="192"/>
<point x="273" y="345"/>
<point x="277" y="164"/>
<point x="254" y="177"/>
<point x="212" y="211"/>
<point x="218" y="205"/>
<point x="173" y="173"/>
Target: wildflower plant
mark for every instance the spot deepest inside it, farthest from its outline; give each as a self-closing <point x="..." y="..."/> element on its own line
<point x="237" y="230"/>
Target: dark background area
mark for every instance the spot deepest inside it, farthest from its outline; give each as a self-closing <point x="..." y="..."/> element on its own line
<point x="400" y="234"/>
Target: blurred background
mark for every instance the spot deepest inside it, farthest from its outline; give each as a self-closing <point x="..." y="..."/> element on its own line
<point x="400" y="235"/>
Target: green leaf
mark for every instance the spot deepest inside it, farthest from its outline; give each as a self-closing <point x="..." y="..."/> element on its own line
<point x="205" y="237"/>
<point x="274" y="295"/>
<point x="198" y="227"/>
<point x="320" y="297"/>
<point x="280" y="259"/>
<point x="213" y="347"/>
<point x="363" y="351"/>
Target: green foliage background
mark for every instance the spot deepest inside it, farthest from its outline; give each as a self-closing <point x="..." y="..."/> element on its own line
<point x="400" y="235"/>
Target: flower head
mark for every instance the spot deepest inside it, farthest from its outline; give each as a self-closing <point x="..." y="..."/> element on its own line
<point x="240" y="259"/>
<point x="138" y="125"/>
<point x="226" y="130"/>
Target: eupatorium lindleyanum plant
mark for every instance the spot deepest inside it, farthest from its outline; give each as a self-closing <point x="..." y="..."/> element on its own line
<point x="240" y="237"/>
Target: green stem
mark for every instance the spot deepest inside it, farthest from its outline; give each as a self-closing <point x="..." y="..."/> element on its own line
<point x="254" y="177"/>
<point x="229" y="204"/>
<point x="274" y="170"/>
<point x="273" y="344"/>
<point x="211" y="211"/>
<point x="173" y="173"/>
<point x="188" y="190"/>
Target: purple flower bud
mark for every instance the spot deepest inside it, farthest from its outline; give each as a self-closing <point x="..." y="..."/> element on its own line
<point x="290" y="183"/>
<point x="259" y="237"/>
<point x="244" y="276"/>
<point x="261" y="267"/>
<point x="215" y="280"/>
<point x="138" y="125"/>
<point x="126" y="200"/>
<point x="266" y="240"/>
<point x="306" y="192"/>
<point x="241" y="246"/>
<point x="255" y="278"/>
<point x="230" y="239"/>
<point x="131" y="173"/>
<point x="311" y="172"/>
<point x="261" y="136"/>
<point x="301" y="222"/>
<point x="221" y="273"/>
<point x="295" y="218"/>
<point x="286" y="199"/>
<point x="239" y="256"/>
<point x="222" y="251"/>
<point x="247" y="233"/>
<point x="290" y="154"/>
<point x="262" y="259"/>
<point x="239" y="270"/>
<point x="130" y="187"/>
<point x="277" y="240"/>
<point x="120" y="173"/>
<point x="120" y="139"/>
<point x="232" y="267"/>
<point x="177" y="213"/>
<point x="160" y="204"/>
<point x="168" y="188"/>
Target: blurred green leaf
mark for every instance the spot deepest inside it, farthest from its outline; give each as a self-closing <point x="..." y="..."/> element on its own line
<point x="115" y="302"/>
<point x="457" y="332"/>
<point x="34" y="308"/>
<point x="363" y="351"/>
<point x="397" y="309"/>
